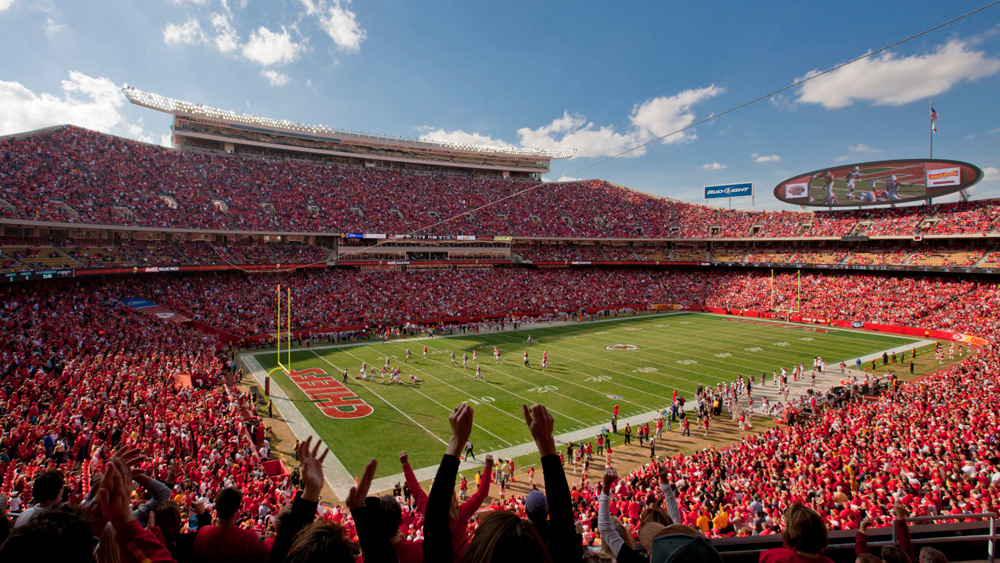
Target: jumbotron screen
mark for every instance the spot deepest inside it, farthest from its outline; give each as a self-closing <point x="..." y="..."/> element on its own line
<point x="878" y="183"/>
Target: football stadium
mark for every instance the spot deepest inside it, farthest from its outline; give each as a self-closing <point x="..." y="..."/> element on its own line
<point x="266" y="340"/>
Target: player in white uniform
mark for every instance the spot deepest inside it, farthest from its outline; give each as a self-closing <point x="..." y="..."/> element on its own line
<point x="465" y="361"/>
<point x="452" y="359"/>
<point x="852" y="177"/>
<point x="892" y="188"/>
<point x="407" y="355"/>
<point x="828" y="186"/>
<point x="479" y="373"/>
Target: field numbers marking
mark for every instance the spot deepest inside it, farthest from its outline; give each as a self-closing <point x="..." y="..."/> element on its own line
<point x="806" y="339"/>
<point x="484" y="399"/>
<point x="754" y="349"/>
<point x="598" y="378"/>
<point x="723" y="355"/>
<point x="781" y="344"/>
<point x="544" y="389"/>
<point x="645" y="370"/>
<point x="686" y="362"/>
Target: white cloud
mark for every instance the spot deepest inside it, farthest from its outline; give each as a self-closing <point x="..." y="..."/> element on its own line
<point x="187" y="33"/>
<point x="666" y="114"/>
<point x="225" y="38"/>
<point x="761" y="158"/>
<point x="52" y="27"/>
<point x="274" y="77"/>
<point x="575" y="132"/>
<point x="167" y="140"/>
<point x="266" y="47"/>
<point x="567" y="179"/>
<point x="887" y="79"/>
<point x="340" y="23"/>
<point x="991" y="174"/>
<point x="93" y="103"/>
<point x="714" y="166"/>
<point x="5" y="5"/>
<point x="460" y="138"/>
<point x="863" y="148"/>
<point x="649" y="120"/>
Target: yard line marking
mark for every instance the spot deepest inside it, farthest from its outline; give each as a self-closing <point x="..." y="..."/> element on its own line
<point x="449" y="409"/>
<point x="463" y="391"/>
<point x="523" y="399"/>
<point x="436" y="437"/>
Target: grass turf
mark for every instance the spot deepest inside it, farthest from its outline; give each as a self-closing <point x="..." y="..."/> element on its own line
<point x="581" y="386"/>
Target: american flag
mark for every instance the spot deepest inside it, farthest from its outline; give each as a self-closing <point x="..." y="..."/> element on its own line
<point x="934" y="114"/>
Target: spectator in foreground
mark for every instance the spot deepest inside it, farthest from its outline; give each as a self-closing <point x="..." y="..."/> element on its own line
<point x="224" y="540"/>
<point x="677" y="543"/>
<point x="502" y="535"/>
<point x="805" y="538"/>
<point x="47" y="491"/>
<point x="66" y="533"/>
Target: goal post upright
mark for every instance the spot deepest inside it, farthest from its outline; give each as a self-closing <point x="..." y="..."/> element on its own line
<point x="285" y="367"/>
<point x="288" y="328"/>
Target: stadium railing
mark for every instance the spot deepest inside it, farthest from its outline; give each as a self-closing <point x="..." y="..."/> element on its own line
<point x="961" y="541"/>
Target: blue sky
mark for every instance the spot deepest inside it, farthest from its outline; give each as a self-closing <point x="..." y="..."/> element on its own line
<point x="595" y="76"/>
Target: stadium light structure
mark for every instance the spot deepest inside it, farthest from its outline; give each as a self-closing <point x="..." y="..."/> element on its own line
<point x="179" y="107"/>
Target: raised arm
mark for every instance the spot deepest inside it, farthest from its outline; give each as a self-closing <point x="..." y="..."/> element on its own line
<point x="469" y="507"/>
<point x="565" y="543"/>
<point x="114" y="500"/>
<point x="437" y="532"/>
<point x="668" y="494"/>
<point x="902" y="530"/>
<point x="366" y="512"/>
<point x="608" y="533"/>
<point x="419" y="496"/>
<point x="305" y="503"/>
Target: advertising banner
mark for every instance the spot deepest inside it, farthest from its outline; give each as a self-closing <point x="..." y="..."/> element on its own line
<point x="729" y="190"/>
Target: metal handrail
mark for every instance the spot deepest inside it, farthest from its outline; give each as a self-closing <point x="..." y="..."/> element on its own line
<point x="990" y="539"/>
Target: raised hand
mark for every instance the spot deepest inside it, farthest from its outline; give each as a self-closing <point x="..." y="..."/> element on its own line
<point x="663" y="472"/>
<point x="900" y="511"/>
<point x="356" y="496"/>
<point x="311" y="468"/>
<point x="489" y="464"/>
<point x="461" y="428"/>
<point x="114" y="495"/>
<point x="404" y="457"/>
<point x="610" y="476"/>
<point x="132" y="458"/>
<point x="540" y="424"/>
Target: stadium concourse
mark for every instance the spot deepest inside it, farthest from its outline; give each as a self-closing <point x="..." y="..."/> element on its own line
<point x="87" y="382"/>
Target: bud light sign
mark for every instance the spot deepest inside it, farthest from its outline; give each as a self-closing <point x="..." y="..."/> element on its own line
<point x="729" y="190"/>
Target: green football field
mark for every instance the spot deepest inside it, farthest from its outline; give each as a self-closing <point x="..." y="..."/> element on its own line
<point x="586" y="377"/>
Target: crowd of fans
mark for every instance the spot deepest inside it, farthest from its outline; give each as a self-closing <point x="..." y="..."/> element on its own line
<point x="79" y="176"/>
<point x="93" y="397"/>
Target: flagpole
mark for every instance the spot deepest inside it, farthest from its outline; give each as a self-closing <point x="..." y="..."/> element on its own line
<point x="931" y="133"/>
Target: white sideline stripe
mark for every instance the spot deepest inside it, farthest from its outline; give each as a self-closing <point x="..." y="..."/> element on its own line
<point x="435" y="436"/>
<point x="338" y="477"/>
